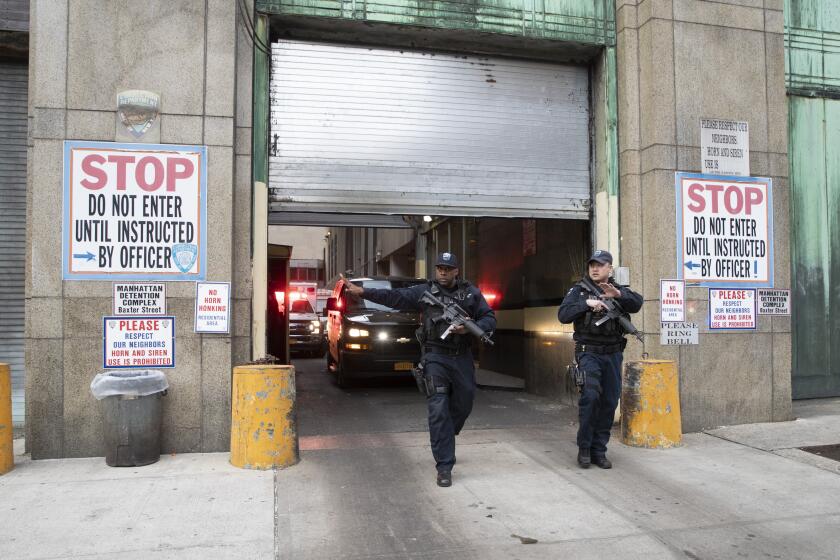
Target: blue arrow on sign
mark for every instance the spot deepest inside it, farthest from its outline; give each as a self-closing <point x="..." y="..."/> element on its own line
<point x="692" y="265"/>
<point x="87" y="256"/>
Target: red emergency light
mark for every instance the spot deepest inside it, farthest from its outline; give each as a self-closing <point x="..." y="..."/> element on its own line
<point x="491" y="297"/>
<point x="294" y="296"/>
<point x="280" y="297"/>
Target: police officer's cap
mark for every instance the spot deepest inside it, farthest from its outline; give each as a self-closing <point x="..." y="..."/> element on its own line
<point x="447" y="259"/>
<point x="601" y="256"/>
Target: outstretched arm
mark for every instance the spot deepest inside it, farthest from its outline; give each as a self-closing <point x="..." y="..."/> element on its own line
<point x="400" y="298"/>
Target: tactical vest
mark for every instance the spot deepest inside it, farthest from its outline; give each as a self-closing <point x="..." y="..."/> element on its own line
<point x="609" y="332"/>
<point x="433" y="323"/>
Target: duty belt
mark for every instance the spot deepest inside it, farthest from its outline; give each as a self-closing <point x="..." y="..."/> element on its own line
<point x="444" y="350"/>
<point x="599" y="349"/>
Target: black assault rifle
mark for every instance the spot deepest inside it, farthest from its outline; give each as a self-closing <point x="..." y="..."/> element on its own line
<point x="455" y="316"/>
<point x="614" y="310"/>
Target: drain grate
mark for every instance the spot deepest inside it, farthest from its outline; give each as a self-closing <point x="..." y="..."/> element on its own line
<point x="828" y="451"/>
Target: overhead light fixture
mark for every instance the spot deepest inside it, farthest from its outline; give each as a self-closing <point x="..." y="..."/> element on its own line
<point x="427" y="218"/>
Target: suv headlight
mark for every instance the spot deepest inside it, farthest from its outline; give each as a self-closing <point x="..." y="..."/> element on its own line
<point x="356" y="333"/>
<point x="315" y="326"/>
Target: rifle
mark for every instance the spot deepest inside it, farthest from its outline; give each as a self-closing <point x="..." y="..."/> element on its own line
<point x="455" y="315"/>
<point x="614" y="310"/>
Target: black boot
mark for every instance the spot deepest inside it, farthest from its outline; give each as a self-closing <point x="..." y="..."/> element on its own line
<point x="444" y="479"/>
<point x="602" y="462"/>
<point x="583" y="458"/>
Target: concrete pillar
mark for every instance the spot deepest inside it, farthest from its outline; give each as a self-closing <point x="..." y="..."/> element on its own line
<point x="665" y="85"/>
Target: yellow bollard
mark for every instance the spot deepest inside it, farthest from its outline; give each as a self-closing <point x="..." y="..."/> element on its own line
<point x="7" y="450"/>
<point x="650" y="405"/>
<point x="263" y="430"/>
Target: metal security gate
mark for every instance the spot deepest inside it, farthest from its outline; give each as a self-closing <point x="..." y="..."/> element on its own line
<point x="13" y="91"/>
<point x="362" y="129"/>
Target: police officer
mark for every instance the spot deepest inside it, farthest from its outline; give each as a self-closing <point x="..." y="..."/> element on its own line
<point x="449" y="361"/>
<point x="599" y="352"/>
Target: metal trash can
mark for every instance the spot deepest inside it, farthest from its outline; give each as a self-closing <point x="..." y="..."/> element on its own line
<point x="131" y="408"/>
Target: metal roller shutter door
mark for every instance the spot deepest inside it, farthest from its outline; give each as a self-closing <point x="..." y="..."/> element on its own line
<point x="13" y="91"/>
<point x="360" y="129"/>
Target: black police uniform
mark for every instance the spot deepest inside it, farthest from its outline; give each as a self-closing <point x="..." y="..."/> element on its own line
<point x="599" y="352"/>
<point x="448" y="362"/>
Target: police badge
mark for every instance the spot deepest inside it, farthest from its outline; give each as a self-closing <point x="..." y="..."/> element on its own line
<point x="137" y="110"/>
<point x="184" y="255"/>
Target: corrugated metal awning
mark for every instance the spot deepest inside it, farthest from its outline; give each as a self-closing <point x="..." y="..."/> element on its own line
<point x="361" y="129"/>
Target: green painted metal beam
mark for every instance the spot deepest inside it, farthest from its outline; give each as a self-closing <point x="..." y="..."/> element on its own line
<point x="590" y="22"/>
<point x="814" y="130"/>
<point x="812" y="47"/>
<point x="262" y="63"/>
<point x="260" y="109"/>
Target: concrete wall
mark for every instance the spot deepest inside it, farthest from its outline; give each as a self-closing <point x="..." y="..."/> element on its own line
<point x="82" y="54"/>
<point x="307" y="242"/>
<point x="678" y="61"/>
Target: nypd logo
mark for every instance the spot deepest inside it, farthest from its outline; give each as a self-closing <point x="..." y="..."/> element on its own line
<point x="137" y="110"/>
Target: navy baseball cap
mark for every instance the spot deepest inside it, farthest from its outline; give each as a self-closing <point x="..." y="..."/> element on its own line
<point x="447" y="259"/>
<point x="601" y="256"/>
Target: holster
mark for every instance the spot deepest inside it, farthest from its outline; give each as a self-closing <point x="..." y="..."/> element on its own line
<point x="577" y="375"/>
<point x="423" y="383"/>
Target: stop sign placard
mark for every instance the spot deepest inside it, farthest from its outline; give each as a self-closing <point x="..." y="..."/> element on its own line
<point x="724" y="230"/>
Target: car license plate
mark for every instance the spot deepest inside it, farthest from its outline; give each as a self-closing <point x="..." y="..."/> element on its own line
<point x="403" y="366"/>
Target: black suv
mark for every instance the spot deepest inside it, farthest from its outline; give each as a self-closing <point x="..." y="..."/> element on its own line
<point x="366" y="339"/>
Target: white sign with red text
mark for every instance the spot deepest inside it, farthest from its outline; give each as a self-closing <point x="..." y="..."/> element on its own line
<point x="672" y="301"/>
<point x="212" y="307"/>
<point x="138" y="342"/>
<point x="724" y="230"/>
<point x="732" y="309"/>
<point x="134" y="211"/>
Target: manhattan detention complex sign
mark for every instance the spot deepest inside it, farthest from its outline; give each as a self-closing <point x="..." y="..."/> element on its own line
<point x="724" y="230"/>
<point x="134" y="211"/>
<point x="138" y="342"/>
<point x="139" y="299"/>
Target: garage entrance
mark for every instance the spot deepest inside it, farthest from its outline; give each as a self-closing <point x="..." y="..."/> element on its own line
<point x="386" y="156"/>
<point x="524" y="267"/>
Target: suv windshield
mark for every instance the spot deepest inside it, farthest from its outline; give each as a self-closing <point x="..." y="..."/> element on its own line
<point x="302" y="306"/>
<point x="355" y="305"/>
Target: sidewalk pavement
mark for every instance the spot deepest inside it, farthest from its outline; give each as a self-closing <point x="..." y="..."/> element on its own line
<point x="733" y="492"/>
